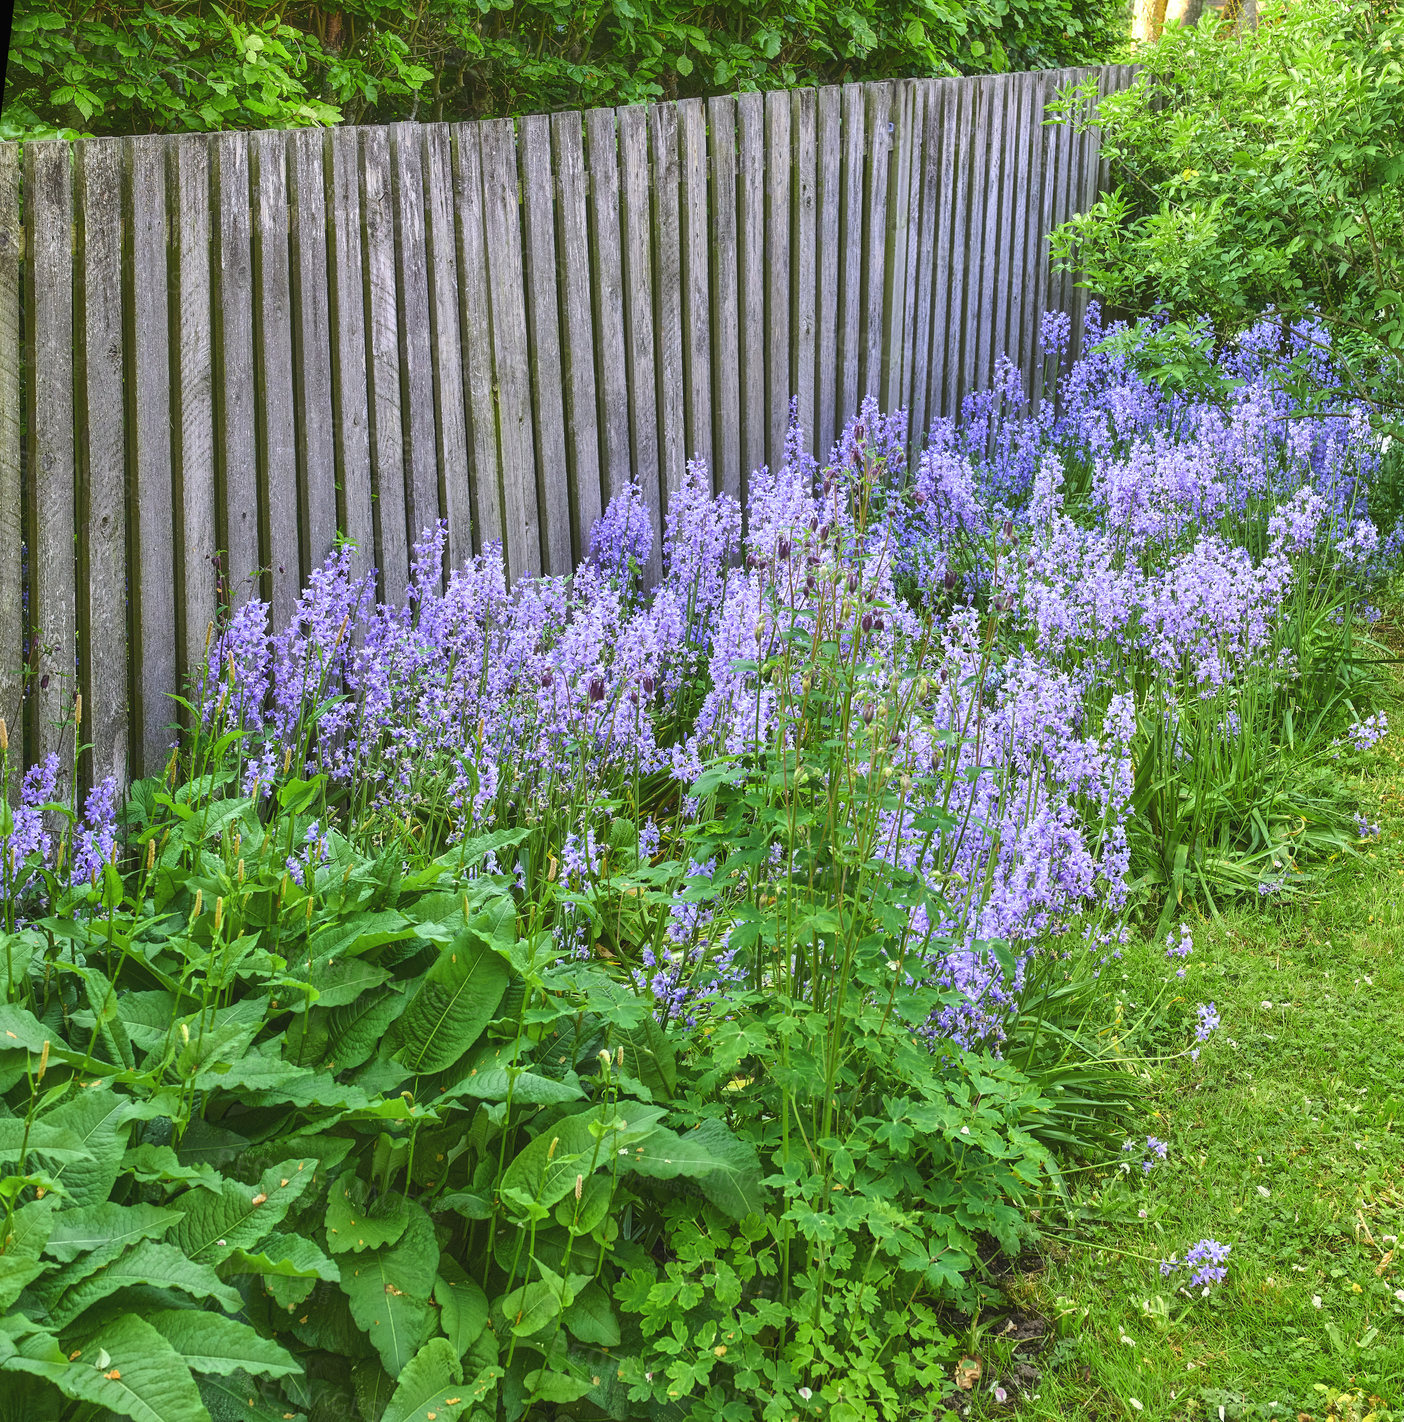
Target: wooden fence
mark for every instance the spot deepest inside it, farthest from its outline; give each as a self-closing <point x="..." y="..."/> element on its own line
<point x="227" y="348"/>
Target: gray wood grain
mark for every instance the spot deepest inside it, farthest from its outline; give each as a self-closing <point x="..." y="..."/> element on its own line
<point x="351" y="389"/>
<point x="725" y="300"/>
<point x="1032" y="208"/>
<point x="668" y="298"/>
<point x="153" y="583"/>
<point x="422" y="502"/>
<point x="11" y="492"/>
<point x="102" y="604"/>
<point x="511" y="371"/>
<point x="236" y="402"/>
<point x="637" y="247"/>
<point x="475" y="326"/>
<point x="1047" y="144"/>
<point x="544" y="339"/>
<point x="854" y="139"/>
<point x="960" y="112"/>
<point x="897" y="338"/>
<point x="693" y="208"/>
<point x="804" y="269"/>
<point x="996" y="160"/>
<point x="779" y="176"/>
<point x="387" y="439"/>
<point x="828" y="203"/>
<point x="876" y="177"/>
<point x="312" y="345"/>
<point x="750" y="224"/>
<point x="607" y="310"/>
<point x="1007" y="88"/>
<point x="279" y="495"/>
<point x="577" y="330"/>
<point x="979" y="199"/>
<point x="446" y="346"/>
<point x="915" y="275"/>
<point x="926" y="204"/>
<point x="48" y="186"/>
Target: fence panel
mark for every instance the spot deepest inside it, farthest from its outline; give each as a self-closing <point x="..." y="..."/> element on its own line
<point x="237" y="348"/>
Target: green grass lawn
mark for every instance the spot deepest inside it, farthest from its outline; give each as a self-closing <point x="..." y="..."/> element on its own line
<point x="1286" y="1141"/>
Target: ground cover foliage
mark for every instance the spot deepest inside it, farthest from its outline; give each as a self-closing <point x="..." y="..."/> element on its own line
<point x="163" y="67"/>
<point x="601" y="1002"/>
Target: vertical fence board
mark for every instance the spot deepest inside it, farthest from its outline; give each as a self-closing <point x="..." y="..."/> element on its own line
<point x="668" y="298"/>
<point x="350" y="386"/>
<point x="978" y="158"/>
<point x="925" y="174"/>
<point x="102" y="591"/>
<point x="875" y="232"/>
<point x="804" y="271"/>
<point x="312" y="354"/>
<point x="987" y="311"/>
<point x="48" y="178"/>
<point x="896" y="248"/>
<point x="999" y="257"/>
<point x="725" y="302"/>
<point x="516" y="443"/>
<point x="638" y="316"/>
<point x="696" y="308"/>
<point x="1047" y="142"/>
<point x="152" y="590"/>
<point x="828" y="200"/>
<point x="279" y="495"/>
<point x="475" y="326"/>
<point x="578" y="343"/>
<point x="422" y="503"/>
<point x="778" y="174"/>
<point x="1012" y="226"/>
<point x="11" y="493"/>
<point x="446" y="348"/>
<point x="853" y="137"/>
<point x="1031" y="207"/>
<point x="387" y="439"/>
<point x="960" y="133"/>
<point x="236" y="409"/>
<point x="750" y="217"/>
<point x="607" y="310"/>
<point x="544" y="340"/>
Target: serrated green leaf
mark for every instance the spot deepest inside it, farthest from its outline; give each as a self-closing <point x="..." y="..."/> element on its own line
<point x="211" y="1343"/>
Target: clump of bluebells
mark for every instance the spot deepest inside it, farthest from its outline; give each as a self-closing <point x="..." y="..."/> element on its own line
<point x="1206" y="1260"/>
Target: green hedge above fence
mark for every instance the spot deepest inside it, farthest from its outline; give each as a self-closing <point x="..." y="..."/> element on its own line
<point x="165" y="66"/>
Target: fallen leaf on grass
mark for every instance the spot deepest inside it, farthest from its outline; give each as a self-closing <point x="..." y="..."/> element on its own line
<point x="967" y="1373"/>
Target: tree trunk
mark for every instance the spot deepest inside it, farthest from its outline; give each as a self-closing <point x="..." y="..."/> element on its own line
<point x="1184" y="12"/>
<point x="1148" y="20"/>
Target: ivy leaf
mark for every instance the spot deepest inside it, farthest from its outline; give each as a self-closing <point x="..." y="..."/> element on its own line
<point x="211" y="1343"/>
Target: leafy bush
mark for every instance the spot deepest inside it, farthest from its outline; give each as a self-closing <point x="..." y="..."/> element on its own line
<point x="163" y="67"/>
<point x="612" y="1003"/>
<point x="1255" y="174"/>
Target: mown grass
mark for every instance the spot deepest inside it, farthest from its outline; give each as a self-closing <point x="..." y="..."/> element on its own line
<point x="1286" y="1141"/>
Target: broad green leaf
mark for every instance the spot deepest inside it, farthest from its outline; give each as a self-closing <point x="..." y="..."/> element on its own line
<point x="30" y="1228"/>
<point x="92" y="1227"/>
<point x="493" y="1083"/>
<point x="530" y="1308"/>
<point x="240" y="1398"/>
<point x="211" y="1343"/>
<point x="144" y="1377"/>
<point x="388" y="1290"/>
<point x="240" y="1215"/>
<point x="547" y="1386"/>
<point x="352" y="1224"/>
<point x="356" y="1030"/>
<point x="649" y="1056"/>
<point x="431" y="1386"/>
<point x="591" y="1318"/>
<point x="150" y="1262"/>
<point x="543" y="1171"/>
<point x="99" y="1119"/>
<point x="149" y="1164"/>
<point x="17" y="1271"/>
<point x="455" y="1002"/>
<point x="374" y="1387"/>
<point x="284" y="1256"/>
<point x="463" y="1306"/>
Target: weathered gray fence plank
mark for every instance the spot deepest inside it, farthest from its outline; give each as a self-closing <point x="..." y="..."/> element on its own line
<point x="516" y="444"/>
<point x="312" y="353"/>
<point x="11" y="489"/>
<point x="988" y="309"/>
<point x="607" y="302"/>
<point x="635" y="235"/>
<point x="980" y="165"/>
<point x="750" y="218"/>
<point x="875" y="229"/>
<point x="279" y="494"/>
<point x="897" y="315"/>
<point x="696" y="285"/>
<point x="960" y="130"/>
<point x="49" y="178"/>
<point x="779" y="383"/>
<point x="577" y="335"/>
<point x="351" y="388"/>
<point x="152" y="579"/>
<point x="851" y="225"/>
<point x="102" y="571"/>
<point x="236" y="408"/>
<point x="387" y="438"/>
<point x="725" y="300"/>
<point x="475" y="328"/>
<point x="668" y="297"/>
<point x="828" y="201"/>
<point x="544" y="340"/>
<point x="1032" y="208"/>
<point x="804" y="283"/>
